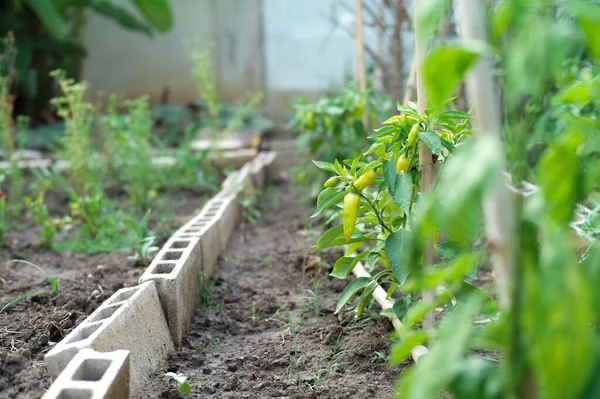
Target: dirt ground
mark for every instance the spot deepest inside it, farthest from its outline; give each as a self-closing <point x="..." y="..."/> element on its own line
<point x="259" y="335"/>
<point x="29" y="328"/>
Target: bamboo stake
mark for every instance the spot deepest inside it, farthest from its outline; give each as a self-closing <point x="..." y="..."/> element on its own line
<point x="425" y="156"/>
<point x="361" y="74"/>
<point x="482" y="94"/>
<point x="381" y="297"/>
<point x="409" y="91"/>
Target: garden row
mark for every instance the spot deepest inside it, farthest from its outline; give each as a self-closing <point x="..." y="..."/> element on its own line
<point x="130" y="335"/>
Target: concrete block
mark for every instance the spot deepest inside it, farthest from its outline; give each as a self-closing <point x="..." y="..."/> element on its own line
<point x="230" y="143"/>
<point x="176" y="272"/>
<point x="235" y="157"/>
<point x="131" y="319"/>
<point x="239" y="181"/>
<point x="93" y="375"/>
<point x="228" y="212"/>
<point x="206" y="229"/>
<point x="258" y="172"/>
<point x="269" y="162"/>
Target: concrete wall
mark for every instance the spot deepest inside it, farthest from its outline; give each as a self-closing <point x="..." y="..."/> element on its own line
<point x="283" y="47"/>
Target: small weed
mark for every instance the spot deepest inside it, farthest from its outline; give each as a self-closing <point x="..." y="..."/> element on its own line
<point x="311" y="303"/>
<point x="295" y="363"/>
<point x="3" y="218"/>
<point x="205" y="289"/>
<point x="248" y="201"/>
<point x="333" y="364"/>
<point x="54" y="283"/>
<point x="37" y="212"/>
<point x="255" y="316"/>
<point x="379" y="356"/>
<point x="213" y="340"/>
<point x="181" y="384"/>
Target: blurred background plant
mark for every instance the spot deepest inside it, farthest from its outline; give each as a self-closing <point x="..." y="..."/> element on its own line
<point x="48" y="35"/>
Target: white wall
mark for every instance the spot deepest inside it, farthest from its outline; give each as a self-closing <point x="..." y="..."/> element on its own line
<point x="297" y="52"/>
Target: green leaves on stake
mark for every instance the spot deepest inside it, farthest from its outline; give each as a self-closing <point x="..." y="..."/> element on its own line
<point x="351" y="289"/>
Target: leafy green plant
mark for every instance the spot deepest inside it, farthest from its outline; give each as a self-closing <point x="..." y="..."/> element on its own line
<point x="128" y="147"/>
<point x="378" y="198"/>
<point x="37" y="212"/>
<point x="181" y="384"/>
<point x="76" y="144"/>
<point x="542" y="342"/>
<point x="54" y="283"/>
<point x="218" y="119"/>
<point x="49" y="35"/>
<point x="89" y="210"/>
<point x="145" y="241"/>
<point x="332" y="128"/>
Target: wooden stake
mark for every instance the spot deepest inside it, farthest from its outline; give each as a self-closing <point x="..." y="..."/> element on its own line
<point x="409" y="90"/>
<point x="425" y="156"/>
<point x="361" y="74"/>
<point x="498" y="207"/>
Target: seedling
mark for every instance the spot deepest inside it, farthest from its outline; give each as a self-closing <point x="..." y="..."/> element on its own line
<point x="145" y="245"/>
<point x="180" y="380"/>
<point x="205" y="289"/>
<point x="333" y="364"/>
<point x="54" y="283"/>
<point x="312" y="303"/>
<point x="255" y="316"/>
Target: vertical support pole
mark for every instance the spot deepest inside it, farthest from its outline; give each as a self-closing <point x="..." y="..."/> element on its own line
<point x="409" y="91"/>
<point x="425" y="154"/>
<point x="498" y="207"/>
<point x="360" y="71"/>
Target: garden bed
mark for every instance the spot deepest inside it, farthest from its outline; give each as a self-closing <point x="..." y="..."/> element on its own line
<point x="29" y="328"/>
<point x="258" y="334"/>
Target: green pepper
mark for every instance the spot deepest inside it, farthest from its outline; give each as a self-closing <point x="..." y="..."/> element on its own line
<point x="413" y="134"/>
<point x="402" y="164"/>
<point x="349" y="214"/>
<point x="332" y="181"/>
<point x="365" y="180"/>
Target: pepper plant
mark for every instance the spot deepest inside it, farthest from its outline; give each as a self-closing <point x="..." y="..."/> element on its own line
<point x="377" y="194"/>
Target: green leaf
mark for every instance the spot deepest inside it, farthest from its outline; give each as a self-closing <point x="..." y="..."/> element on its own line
<point x="403" y="191"/>
<point x="389" y="174"/>
<point x="453" y="115"/>
<point x="560" y="177"/>
<point x="121" y="16"/>
<point x="468" y="291"/>
<point x="397" y="252"/>
<point x="364" y="297"/>
<point x="588" y="16"/>
<point x="329" y="236"/>
<point x="351" y="289"/>
<point x="344" y="265"/>
<point x="538" y="50"/>
<point x="439" y="367"/>
<point x="401" y="350"/>
<point x="430" y="14"/>
<point x="47" y="12"/>
<point x="464" y="180"/>
<point x="157" y="12"/>
<point x="324" y="202"/>
<point x="328" y="166"/>
<point x="432" y="141"/>
<point x="444" y="69"/>
<point x="450" y="250"/>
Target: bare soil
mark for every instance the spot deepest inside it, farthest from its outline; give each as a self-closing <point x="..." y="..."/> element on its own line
<point x="30" y="328"/>
<point x="259" y="335"/>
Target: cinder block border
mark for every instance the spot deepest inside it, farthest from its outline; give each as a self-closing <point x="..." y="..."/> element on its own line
<point x="131" y="319"/>
<point x="148" y="320"/>
<point x="93" y="374"/>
